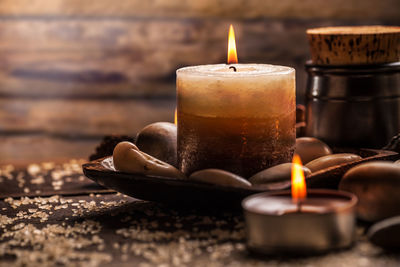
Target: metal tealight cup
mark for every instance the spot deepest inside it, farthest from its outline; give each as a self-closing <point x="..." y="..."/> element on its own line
<point x="300" y="232"/>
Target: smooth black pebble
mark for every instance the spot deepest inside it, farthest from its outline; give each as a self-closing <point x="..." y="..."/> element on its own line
<point x="386" y="234"/>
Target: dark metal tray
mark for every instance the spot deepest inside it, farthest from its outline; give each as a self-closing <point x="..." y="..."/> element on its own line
<point x="186" y="192"/>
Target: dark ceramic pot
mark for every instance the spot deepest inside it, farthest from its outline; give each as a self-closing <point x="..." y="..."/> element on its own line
<point x="353" y="106"/>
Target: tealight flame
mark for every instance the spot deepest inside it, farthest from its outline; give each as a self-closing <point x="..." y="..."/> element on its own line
<point x="176" y="117"/>
<point x="232" y="55"/>
<point x="299" y="190"/>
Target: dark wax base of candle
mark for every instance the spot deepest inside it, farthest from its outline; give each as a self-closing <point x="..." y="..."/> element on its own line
<point x="243" y="146"/>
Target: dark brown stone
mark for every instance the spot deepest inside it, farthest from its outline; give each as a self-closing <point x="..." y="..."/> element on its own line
<point x="220" y="177"/>
<point x="310" y="148"/>
<point x="377" y="186"/>
<point x="386" y="233"/>
<point x="331" y="160"/>
<point x="159" y="140"/>
<point x="128" y="158"/>
<point x="278" y="173"/>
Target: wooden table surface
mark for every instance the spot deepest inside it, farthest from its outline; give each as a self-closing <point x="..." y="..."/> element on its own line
<point x="69" y="220"/>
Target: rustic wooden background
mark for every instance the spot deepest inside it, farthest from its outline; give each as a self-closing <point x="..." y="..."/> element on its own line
<point x="72" y="71"/>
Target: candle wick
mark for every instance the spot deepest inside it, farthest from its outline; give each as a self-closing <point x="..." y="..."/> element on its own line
<point x="234" y="68"/>
<point x="299" y="205"/>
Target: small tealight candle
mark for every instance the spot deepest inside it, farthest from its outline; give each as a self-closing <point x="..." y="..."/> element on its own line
<point x="235" y="117"/>
<point x="299" y="222"/>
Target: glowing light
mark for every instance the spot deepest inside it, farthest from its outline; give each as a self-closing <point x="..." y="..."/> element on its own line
<point x="299" y="190"/>
<point x="232" y="55"/>
<point x="176" y="117"/>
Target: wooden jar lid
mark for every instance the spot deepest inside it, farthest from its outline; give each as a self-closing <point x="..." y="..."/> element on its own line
<point x="354" y="45"/>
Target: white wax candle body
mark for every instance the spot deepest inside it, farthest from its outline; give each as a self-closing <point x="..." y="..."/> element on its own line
<point x="280" y="205"/>
<point x="241" y="121"/>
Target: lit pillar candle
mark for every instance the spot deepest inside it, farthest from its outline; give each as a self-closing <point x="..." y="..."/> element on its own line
<point x="236" y="117"/>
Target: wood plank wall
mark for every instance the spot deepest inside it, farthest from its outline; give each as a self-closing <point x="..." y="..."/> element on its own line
<point x="72" y="71"/>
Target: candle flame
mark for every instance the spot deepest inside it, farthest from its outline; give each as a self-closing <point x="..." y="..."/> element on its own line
<point x="232" y="55"/>
<point x="176" y="117"/>
<point x="299" y="190"/>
